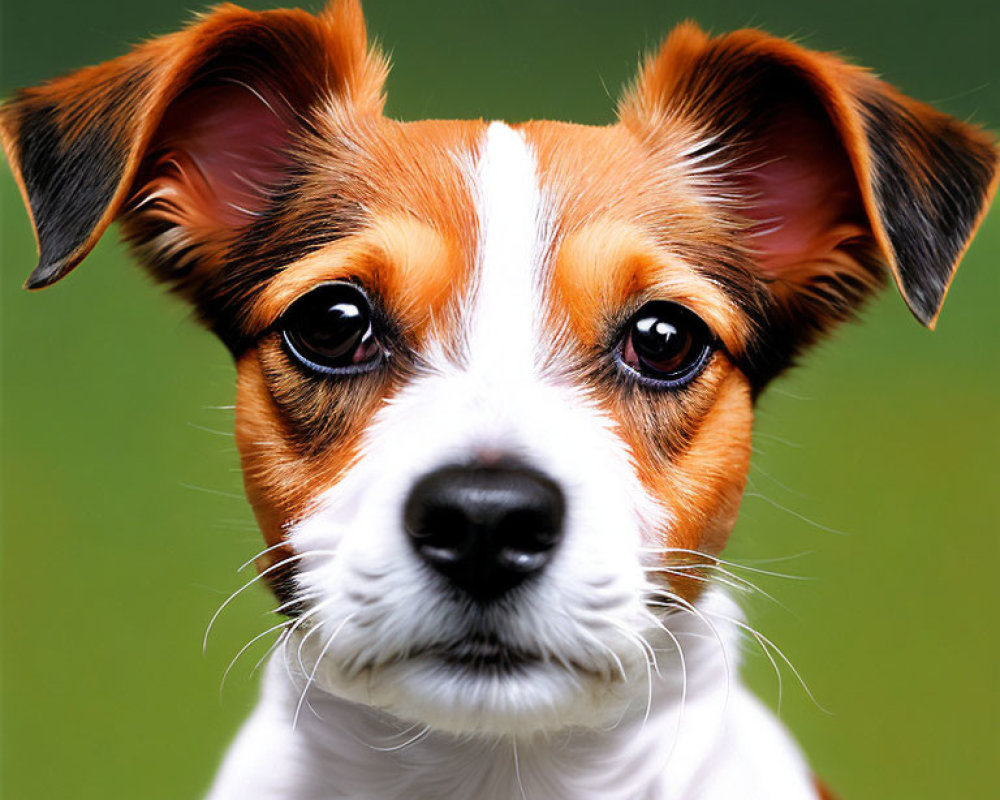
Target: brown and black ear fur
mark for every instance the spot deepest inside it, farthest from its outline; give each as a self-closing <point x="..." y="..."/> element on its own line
<point x="841" y="177"/>
<point x="140" y="136"/>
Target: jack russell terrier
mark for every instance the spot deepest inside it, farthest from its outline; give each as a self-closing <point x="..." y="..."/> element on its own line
<point x="496" y="382"/>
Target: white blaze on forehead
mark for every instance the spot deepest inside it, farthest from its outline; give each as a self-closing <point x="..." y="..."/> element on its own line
<point x="503" y="316"/>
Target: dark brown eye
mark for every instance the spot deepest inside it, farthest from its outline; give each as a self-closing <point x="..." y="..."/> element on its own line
<point x="330" y="330"/>
<point x="666" y="344"/>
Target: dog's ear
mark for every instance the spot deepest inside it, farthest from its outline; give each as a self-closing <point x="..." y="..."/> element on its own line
<point x="832" y="174"/>
<point x="188" y="135"/>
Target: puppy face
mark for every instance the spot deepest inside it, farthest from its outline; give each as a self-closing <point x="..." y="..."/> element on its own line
<point x="504" y="340"/>
<point x="496" y="382"/>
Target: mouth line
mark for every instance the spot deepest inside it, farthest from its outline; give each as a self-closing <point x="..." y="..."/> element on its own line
<point x="490" y="657"/>
<point x="482" y="654"/>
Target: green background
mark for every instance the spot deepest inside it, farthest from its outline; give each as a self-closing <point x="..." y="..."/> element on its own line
<point x="123" y="520"/>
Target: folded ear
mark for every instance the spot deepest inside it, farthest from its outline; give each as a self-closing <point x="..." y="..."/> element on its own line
<point x="189" y="134"/>
<point x="832" y="174"/>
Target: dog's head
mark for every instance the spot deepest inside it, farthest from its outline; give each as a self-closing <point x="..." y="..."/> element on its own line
<point x="496" y="382"/>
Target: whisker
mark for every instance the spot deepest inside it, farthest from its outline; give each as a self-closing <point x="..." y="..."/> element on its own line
<point x="732" y="564"/>
<point x="780" y="484"/>
<point x="779" y="559"/>
<point x="649" y="656"/>
<point x="778" y="439"/>
<point x="263" y="552"/>
<point x="517" y="770"/>
<point x="777" y="671"/>
<point x="285" y="657"/>
<point x="736" y="582"/>
<point x="390" y="737"/>
<point x="686" y="571"/>
<point x="713" y="579"/>
<point x="584" y="630"/>
<point x="313" y="552"/>
<point x="796" y="514"/>
<point x="297" y="600"/>
<point x="217" y="492"/>
<point x="213" y="431"/>
<point x="762" y="640"/>
<point x="247" y="646"/>
<point x="684" y="684"/>
<point x="274" y="646"/>
<point x="299" y="623"/>
<point x="312" y="674"/>
<point x="751" y="586"/>
<point x="675" y="601"/>
<point x="243" y="588"/>
<point x="421" y="734"/>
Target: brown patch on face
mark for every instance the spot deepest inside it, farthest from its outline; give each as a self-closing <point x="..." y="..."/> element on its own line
<point x="280" y="479"/>
<point x="633" y="227"/>
<point x="400" y="259"/>
<point x="637" y="205"/>
<point x="298" y="432"/>
<point x="691" y="450"/>
<point x="369" y="183"/>
<point x="603" y="266"/>
<point x="413" y="250"/>
<point x="702" y="487"/>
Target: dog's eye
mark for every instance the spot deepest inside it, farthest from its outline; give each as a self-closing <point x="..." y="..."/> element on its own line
<point x="666" y="344"/>
<point x="330" y="330"/>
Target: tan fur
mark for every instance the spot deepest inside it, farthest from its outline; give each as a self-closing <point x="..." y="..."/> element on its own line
<point x="128" y="96"/>
<point x="606" y="265"/>
<point x="281" y="476"/>
<point x="399" y="258"/>
<point x="662" y="95"/>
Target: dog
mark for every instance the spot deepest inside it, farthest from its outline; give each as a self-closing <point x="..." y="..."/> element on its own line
<point x="496" y="382"/>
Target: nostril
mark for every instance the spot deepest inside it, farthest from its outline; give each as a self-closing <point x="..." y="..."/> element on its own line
<point x="523" y="561"/>
<point x="486" y="529"/>
<point x="526" y="536"/>
<point x="439" y="531"/>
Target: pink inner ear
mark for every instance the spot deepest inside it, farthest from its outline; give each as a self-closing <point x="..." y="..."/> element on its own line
<point x="802" y="193"/>
<point x="221" y="152"/>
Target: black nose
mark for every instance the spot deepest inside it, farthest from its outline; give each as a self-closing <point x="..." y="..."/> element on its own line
<point x="486" y="529"/>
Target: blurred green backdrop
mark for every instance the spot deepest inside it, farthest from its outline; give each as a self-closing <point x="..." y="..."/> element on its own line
<point x="876" y="473"/>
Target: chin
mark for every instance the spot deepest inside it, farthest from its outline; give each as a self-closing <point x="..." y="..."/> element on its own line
<point x="478" y="687"/>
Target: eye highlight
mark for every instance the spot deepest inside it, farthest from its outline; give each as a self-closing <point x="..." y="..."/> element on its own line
<point x="665" y="345"/>
<point x="331" y="330"/>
